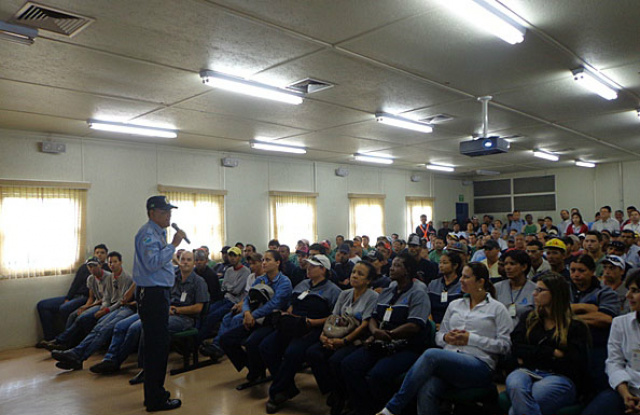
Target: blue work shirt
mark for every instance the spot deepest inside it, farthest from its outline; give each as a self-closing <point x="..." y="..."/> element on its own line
<point x="281" y="286"/>
<point x="152" y="261"/>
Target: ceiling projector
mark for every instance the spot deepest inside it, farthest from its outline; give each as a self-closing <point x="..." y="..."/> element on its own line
<point x="484" y="146"/>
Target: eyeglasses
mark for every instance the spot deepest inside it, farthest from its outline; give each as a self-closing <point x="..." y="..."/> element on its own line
<point x="538" y="290"/>
<point x="634" y="290"/>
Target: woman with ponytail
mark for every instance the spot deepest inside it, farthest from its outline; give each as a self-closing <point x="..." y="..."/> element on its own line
<point x="552" y="348"/>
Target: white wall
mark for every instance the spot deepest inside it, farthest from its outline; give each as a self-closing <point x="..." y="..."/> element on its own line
<point x="123" y="175"/>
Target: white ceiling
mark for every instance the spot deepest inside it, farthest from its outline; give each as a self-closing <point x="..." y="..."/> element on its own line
<point x="139" y="62"/>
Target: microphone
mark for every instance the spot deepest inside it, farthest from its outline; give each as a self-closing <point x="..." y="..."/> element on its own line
<point x="174" y="226"/>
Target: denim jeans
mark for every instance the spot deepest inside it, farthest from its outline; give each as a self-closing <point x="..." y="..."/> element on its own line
<point x="371" y="378"/>
<point x="124" y="341"/>
<point x="230" y="321"/>
<point x="433" y="373"/>
<point x="606" y="402"/>
<point x="101" y="333"/>
<point x="81" y="325"/>
<point x="216" y="312"/>
<point x="537" y="397"/>
<point x="50" y="307"/>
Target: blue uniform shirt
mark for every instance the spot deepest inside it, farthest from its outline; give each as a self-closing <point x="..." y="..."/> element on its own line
<point x="152" y="262"/>
<point x="281" y="286"/>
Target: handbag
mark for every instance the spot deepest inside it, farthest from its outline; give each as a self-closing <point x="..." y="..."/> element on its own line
<point x="337" y="327"/>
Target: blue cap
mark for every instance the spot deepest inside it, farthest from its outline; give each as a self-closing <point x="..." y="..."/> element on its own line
<point x="159" y="202"/>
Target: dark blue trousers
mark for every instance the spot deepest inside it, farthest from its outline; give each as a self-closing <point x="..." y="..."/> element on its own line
<point x="49" y="308"/>
<point x="325" y="365"/>
<point x="233" y="340"/>
<point x="153" y="308"/>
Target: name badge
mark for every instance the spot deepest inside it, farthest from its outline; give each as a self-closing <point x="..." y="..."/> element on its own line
<point x="512" y="310"/>
<point x="635" y="359"/>
<point x="443" y="297"/>
<point x="387" y="315"/>
<point x="183" y="297"/>
<point x="303" y="295"/>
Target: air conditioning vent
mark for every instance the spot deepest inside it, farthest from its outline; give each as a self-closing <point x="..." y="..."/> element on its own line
<point x="309" y="86"/>
<point x="51" y="19"/>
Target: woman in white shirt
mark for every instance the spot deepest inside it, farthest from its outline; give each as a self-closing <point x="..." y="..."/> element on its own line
<point x="623" y="361"/>
<point x="473" y="334"/>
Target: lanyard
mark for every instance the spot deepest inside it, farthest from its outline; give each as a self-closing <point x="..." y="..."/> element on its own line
<point x="517" y="295"/>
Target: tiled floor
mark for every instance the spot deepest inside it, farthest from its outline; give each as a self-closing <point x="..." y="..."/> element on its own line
<point x="30" y="384"/>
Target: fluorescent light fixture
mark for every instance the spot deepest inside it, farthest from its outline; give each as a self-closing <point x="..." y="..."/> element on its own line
<point x="440" y="167"/>
<point x="402" y="122"/>
<point x="545" y="155"/>
<point x="490" y="16"/>
<point x="373" y="159"/>
<point x="278" y="147"/>
<point x="596" y="83"/>
<point x="585" y="164"/>
<point x="118" y="127"/>
<point x="17" y="34"/>
<point x="255" y="89"/>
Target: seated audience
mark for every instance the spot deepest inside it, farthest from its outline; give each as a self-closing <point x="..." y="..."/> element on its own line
<point x="325" y="357"/>
<point x="539" y="265"/>
<point x="398" y="334"/>
<point x="593" y="246"/>
<point x="427" y="270"/>
<point x="443" y="290"/>
<point x="577" y="226"/>
<point x="606" y="222"/>
<point x="623" y="394"/>
<point x="297" y="329"/>
<point x="556" y="253"/>
<point x="492" y="252"/>
<point x="342" y="267"/>
<point x="380" y="281"/>
<point x="552" y="348"/>
<point x="77" y="295"/>
<point x="614" y="270"/>
<point x="473" y="335"/>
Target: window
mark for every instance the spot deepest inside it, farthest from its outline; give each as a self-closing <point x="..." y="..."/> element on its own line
<point x="42" y="229"/>
<point x="526" y="194"/>
<point x="366" y="215"/>
<point x="200" y="215"/>
<point x="292" y="217"/>
<point x="417" y="206"/>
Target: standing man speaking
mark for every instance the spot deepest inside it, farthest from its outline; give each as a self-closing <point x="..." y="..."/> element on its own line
<point x="154" y="276"/>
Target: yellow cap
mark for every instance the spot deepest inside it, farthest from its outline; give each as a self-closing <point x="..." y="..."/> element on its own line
<point x="555" y="243"/>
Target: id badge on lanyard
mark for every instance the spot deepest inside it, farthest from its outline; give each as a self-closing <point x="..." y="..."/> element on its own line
<point x="183" y="297"/>
<point x="303" y="295"/>
<point x="387" y="314"/>
<point x="444" y="297"/>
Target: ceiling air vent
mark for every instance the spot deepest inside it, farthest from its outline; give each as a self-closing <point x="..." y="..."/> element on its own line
<point x="309" y="86"/>
<point x="51" y="19"/>
<point x="438" y="119"/>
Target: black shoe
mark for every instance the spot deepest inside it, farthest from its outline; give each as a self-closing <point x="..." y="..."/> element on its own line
<point x="167" y="405"/>
<point x="41" y="343"/>
<point x="69" y="365"/>
<point x="53" y="345"/>
<point x="212" y="351"/>
<point x="67" y="356"/>
<point x="274" y="403"/>
<point x="272" y="407"/>
<point x="106" y="366"/>
<point x="139" y="378"/>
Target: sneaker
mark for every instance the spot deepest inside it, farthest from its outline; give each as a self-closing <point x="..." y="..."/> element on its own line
<point x="106" y="366"/>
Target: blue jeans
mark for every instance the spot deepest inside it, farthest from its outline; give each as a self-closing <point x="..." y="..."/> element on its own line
<point x="124" y="340"/>
<point x="81" y="325"/>
<point x="536" y="397"/>
<point x="215" y="314"/>
<point x="230" y="321"/>
<point x="101" y="333"/>
<point x="371" y="378"/>
<point x="433" y="373"/>
<point x="50" y="307"/>
<point x="606" y="402"/>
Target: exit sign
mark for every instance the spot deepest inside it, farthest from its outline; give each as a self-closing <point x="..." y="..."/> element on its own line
<point x="460" y="198"/>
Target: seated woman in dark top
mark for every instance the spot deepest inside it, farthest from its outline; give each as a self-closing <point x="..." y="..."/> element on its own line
<point x="552" y="348"/>
<point x="326" y="356"/>
<point x="399" y="333"/>
<point x="446" y="288"/>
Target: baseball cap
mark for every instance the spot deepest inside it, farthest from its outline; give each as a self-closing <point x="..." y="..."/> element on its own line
<point x="616" y="234"/>
<point x="159" y="202"/>
<point x="302" y="250"/>
<point x="491" y="244"/>
<point x="617" y="245"/>
<point x="459" y="247"/>
<point x="575" y="239"/>
<point x="384" y="243"/>
<point x="555" y="243"/>
<point x="414" y="240"/>
<point x="373" y="256"/>
<point x="553" y="232"/>
<point x="344" y="248"/>
<point x="93" y="261"/>
<point x="225" y="249"/>
<point x="614" y="260"/>
<point x="453" y="236"/>
<point x="235" y="251"/>
<point x="320" y="261"/>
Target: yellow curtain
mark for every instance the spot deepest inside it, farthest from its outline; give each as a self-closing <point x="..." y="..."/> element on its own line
<point x="366" y="217"/>
<point x="42" y="230"/>
<point x="201" y="216"/>
<point x="416" y="207"/>
<point x="293" y="217"/>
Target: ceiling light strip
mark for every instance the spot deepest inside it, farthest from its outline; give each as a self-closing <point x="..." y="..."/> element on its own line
<point x="373" y="159"/>
<point x="545" y="155"/>
<point x="492" y="17"/>
<point x="596" y="83"/>
<point x="402" y="122"/>
<point x="132" y="129"/>
<point x="440" y="167"/>
<point x="255" y="89"/>
<point x="278" y="148"/>
<point x="585" y="164"/>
